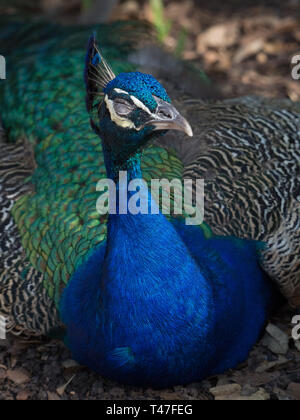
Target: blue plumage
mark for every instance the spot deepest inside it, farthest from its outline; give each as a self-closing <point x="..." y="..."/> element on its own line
<point x="164" y="305"/>
<point x="97" y="59"/>
<point x="142" y="86"/>
<point x="159" y="303"/>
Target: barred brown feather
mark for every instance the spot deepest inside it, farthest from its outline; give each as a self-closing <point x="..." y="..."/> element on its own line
<point x="23" y="299"/>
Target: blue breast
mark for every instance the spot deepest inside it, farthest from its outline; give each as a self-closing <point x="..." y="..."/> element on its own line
<point x="161" y="305"/>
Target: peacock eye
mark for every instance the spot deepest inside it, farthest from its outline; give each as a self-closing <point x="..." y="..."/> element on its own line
<point x="122" y="107"/>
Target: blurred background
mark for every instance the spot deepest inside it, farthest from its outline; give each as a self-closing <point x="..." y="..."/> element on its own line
<point x="244" y="46"/>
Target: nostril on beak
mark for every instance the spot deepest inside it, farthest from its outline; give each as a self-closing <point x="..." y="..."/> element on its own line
<point x="165" y="113"/>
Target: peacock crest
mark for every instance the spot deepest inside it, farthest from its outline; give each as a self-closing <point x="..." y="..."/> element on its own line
<point x="97" y="75"/>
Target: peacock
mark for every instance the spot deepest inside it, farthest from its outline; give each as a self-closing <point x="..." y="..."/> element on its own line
<point x="144" y="299"/>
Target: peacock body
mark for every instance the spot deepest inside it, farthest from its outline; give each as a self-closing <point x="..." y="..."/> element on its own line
<point x="141" y="299"/>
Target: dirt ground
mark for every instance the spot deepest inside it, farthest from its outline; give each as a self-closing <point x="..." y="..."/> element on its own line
<point x="245" y="47"/>
<point x="44" y="370"/>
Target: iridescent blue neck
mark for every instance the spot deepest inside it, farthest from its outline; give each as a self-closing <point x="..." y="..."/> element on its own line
<point x="119" y="161"/>
<point x="122" y="170"/>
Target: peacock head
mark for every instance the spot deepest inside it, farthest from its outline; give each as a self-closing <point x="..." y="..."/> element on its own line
<point x="132" y="108"/>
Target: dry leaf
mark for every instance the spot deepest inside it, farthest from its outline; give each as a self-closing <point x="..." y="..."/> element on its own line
<point x="225" y="390"/>
<point x="276" y="340"/>
<point x="18" y="376"/>
<point x="218" y="36"/>
<point x="294" y="390"/>
<point x="23" y="395"/>
<point x="52" y="396"/>
<point x="61" y="390"/>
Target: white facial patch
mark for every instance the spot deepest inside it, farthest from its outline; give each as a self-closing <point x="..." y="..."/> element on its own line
<point x="121" y="91"/>
<point x="140" y="105"/>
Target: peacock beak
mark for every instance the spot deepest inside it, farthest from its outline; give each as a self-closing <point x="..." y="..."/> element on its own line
<point x="167" y="117"/>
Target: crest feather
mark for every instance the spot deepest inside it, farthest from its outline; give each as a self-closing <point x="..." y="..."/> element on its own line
<point x="97" y="75"/>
